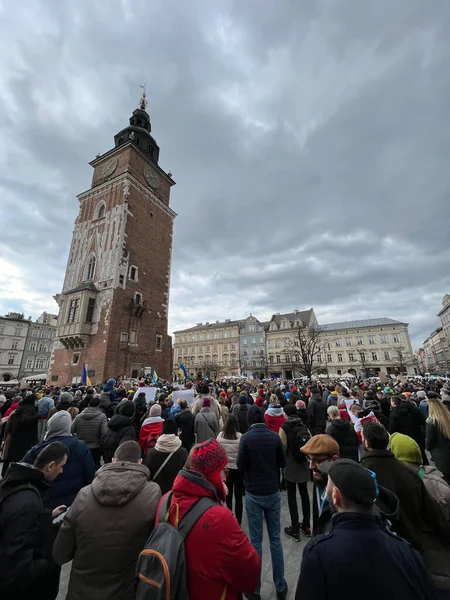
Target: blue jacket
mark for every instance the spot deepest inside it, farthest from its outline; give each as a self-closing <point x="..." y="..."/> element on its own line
<point x="79" y="469"/>
<point x="341" y="564"/>
<point x="44" y="406"/>
<point x="260" y="458"/>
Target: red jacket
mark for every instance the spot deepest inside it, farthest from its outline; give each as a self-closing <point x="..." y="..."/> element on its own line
<point x="11" y="409"/>
<point x="149" y="429"/>
<point x="274" y="423"/>
<point x="218" y="553"/>
<point x="344" y="414"/>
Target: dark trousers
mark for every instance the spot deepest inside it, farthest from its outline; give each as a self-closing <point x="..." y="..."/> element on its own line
<point x="96" y="455"/>
<point x="292" y="503"/>
<point x="235" y="482"/>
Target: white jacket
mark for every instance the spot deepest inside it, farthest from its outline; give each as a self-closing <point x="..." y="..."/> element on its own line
<point x="231" y="447"/>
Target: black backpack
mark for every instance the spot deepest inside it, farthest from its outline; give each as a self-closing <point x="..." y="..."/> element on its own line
<point x="297" y="435"/>
<point x="161" y="567"/>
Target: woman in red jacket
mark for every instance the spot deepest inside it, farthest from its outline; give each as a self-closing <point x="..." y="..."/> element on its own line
<point x="221" y="562"/>
<point x="274" y="417"/>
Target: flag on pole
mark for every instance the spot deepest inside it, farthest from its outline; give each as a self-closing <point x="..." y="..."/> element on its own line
<point x="182" y="371"/>
<point x="84" y="377"/>
<point x="154" y="376"/>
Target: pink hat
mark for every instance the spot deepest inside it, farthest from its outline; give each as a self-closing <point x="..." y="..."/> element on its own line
<point x="300" y="404"/>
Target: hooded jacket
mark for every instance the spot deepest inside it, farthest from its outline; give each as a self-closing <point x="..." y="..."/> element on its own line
<point x="407" y="419"/>
<point x="218" y="552"/>
<point x="317" y="411"/>
<point x="274" y="417"/>
<point x="120" y="429"/>
<point x="152" y="426"/>
<point x="90" y="426"/>
<point x="344" y="433"/>
<point x="111" y="519"/>
<point x="26" y="535"/>
<point x="185" y="422"/>
<point x="240" y="411"/>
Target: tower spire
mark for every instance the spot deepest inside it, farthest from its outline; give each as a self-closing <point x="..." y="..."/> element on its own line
<point x="143" y="101"/>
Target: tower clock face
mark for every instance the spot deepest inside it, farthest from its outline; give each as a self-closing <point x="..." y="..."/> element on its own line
<point x="110" y="167"/>
<point x="151" y="178"/>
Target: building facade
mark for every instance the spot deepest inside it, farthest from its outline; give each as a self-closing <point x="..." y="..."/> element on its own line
<point x="114" y="302"/>
<point x="210" y="349"/>
<point x="362" y="348"/>
<point x="437" y="353"/>
<point x="37" y="350"/>
<point x="13" y="335"/>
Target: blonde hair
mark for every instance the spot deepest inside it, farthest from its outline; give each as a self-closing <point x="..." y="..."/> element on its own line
<point x="439" y="415"/>
<point x="73" y="411"/>
<point x="333" y="410"/>
<point x="273" y="399"/>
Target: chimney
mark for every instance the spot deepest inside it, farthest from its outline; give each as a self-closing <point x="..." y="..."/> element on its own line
<point x="199" y="324"/>
<point x="227" y="320"/>
<point x="217" y="322"/>
<point x="295" y="311"/>
<point x="207" y="323"/>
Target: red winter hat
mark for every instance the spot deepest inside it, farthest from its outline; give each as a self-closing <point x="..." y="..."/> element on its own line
<point x="209" y="458"/>
<point x="142" y="384"/>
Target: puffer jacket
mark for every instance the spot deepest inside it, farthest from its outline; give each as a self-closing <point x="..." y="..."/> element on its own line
<point x="106" y="403"/>
<point x="344" y="433"/>
<point x="78" y="471"/>
<point x="21" y="432"/>
<point x="120" y="429"/>
<point x="111" y="518"/>
<point x="206" y="425"/>
<point x="240" y="411"/>
<point x="317" y="411"/>
<point x="90" y="426"/>
<point x="274" y="418"/>
<point x="231" y="447"/>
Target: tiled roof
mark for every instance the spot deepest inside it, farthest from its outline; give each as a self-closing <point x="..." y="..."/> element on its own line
<point x="219" y="325"/>
<point x="300" y="315"/>
<point x="360" y="324"/>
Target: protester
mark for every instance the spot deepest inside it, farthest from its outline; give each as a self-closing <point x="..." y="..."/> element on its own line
<point x="206" y="424"/>
<point x="90" y="426"/>
<point x="140" y="409"/>
<point x="438" y="436"/>
<point x="240" y="410"/>
<point x="108" y="398"/>
<point x="328" y="565"/>
<point x="151" y="429"/>
<point x="317" y="411"/>
<point x="219" y="555"/>
<point x="79" y="469"/>
<point x="204" y="392"/>
<point x="27" y="569"/>
<point x="120" y="429"/>
<point x="107" y="527"/>
<point x="230" y="439"/>
<point x="274" y="417"/>
<point x="406" y="418"/>
<point x="44" y="406"/>
<point x="167" y="458"/>
<point x="185" y="423"/>
<point x="344" y="433"/>
<point x="261" y="457"/>
<point x="294" y="434"/>
<point x="21" y="432"/>
<point x="406" y="450"/>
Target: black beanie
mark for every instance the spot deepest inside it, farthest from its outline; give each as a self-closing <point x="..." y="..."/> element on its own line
<point x="169" y="427"/>
<point x="126" y="408"/>
<point x="290" y="410"/>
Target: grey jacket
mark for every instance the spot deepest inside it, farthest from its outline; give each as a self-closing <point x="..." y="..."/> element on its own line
<point x="90" y="426"/>
<point x="206" y="425"/>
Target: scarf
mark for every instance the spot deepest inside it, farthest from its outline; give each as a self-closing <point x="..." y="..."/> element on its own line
<point x="168" y="442"/>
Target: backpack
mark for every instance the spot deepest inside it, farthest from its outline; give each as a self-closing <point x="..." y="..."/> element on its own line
<point x="297" y="435"/>
<point x="161" y="567"/>
<point x="150" y="442"/>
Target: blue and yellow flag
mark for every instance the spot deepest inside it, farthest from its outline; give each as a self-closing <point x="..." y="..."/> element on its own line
<point x="84" y="377"/>
<point x="182" y="372"/>
<point x="154" y="376"/>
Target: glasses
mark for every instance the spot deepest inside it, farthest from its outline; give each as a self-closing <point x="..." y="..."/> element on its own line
<point x="317" y="461"/>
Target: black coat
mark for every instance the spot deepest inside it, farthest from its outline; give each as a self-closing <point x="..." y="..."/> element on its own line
<point x="120" y="429"/>
<point x="27" y="569"/>
<point x="241" y="414"/>
<point x="344" y="433"/>
<point x="140" y="410"/>
<point x="439" y="446"/>
<point x="328" y="571"/>
<point x="23" y="430"/>
<point x="317" y="411"/>
<point x="406" y="418"/>
<point x="166" y="477"/>
<point x="185" y="422"/>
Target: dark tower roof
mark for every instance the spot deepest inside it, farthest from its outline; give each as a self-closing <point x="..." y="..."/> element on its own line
<point x="138" y="132"/>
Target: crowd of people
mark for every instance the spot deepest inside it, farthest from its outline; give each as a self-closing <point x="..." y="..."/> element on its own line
<point x="146" y="496"/>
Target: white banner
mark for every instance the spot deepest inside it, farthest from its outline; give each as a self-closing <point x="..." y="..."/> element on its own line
<point x="149" y="392"/>
<point x="187" y="395"/>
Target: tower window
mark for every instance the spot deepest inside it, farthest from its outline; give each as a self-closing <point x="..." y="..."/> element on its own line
<point x="138" y="299"/>
<point x="121" y="279"/>
<point x="90" y="310"/>
<point x="73" y="310"/>
<point x="100" y="210"/>
<point x="120" y="140"/>
<point x="75" y="358"/>
<point x="133" y="273"/>
<point x="158" y="342"/>
<point x="90" y="268"/>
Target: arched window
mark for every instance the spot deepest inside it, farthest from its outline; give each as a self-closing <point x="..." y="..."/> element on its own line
<point x="100" y="210"/>
<point x="90" y="267"/>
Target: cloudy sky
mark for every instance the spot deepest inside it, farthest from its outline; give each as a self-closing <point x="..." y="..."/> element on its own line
<point x="310" y="142"/>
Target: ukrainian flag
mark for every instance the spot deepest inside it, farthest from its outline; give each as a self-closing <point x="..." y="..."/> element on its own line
<point x="154" y="376"/>
<point x="84" y="377"/>
<point x="182" y="371"/>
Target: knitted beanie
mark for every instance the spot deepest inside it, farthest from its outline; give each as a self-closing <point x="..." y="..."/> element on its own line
<point x="405" y="448"/>
<point x="209" y="458"/>
<point x="126" y="408"/>
<point x="206" y="402"/>
<point x="300" y="404"/>
<point x="155" y="410"/>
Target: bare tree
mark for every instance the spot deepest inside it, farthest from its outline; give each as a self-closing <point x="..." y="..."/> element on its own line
<point x="302" y="350"/>
<point x="361" y="359"/>
<point x="401" y="360"/>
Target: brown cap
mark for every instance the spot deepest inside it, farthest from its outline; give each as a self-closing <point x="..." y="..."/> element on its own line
<point x="321" y="444"/>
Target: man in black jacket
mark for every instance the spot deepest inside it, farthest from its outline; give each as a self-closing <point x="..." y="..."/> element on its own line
<point x="317" y="411"/>
<point x="185" y="423"/>
<point x="260" y="458"/>
<point x="328" y="570"/>
<point x="27" y="569"/>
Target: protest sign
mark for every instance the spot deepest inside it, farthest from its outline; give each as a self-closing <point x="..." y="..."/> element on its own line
<point x="149" y="392"/>
<point x="187" y="395"/>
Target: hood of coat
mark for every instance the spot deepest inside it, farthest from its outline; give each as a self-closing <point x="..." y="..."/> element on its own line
<point x="317" y="398"/>
<point x="19" y="473"/>
<point x="274" y="410"/>
<point x="90" y="413"/>
<point x="24" y="411"/>
<point x="118" y="483"/>
<point x="341" y="424"/>
<point x="190" y="486"/>
<point x="119" y="422"/>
